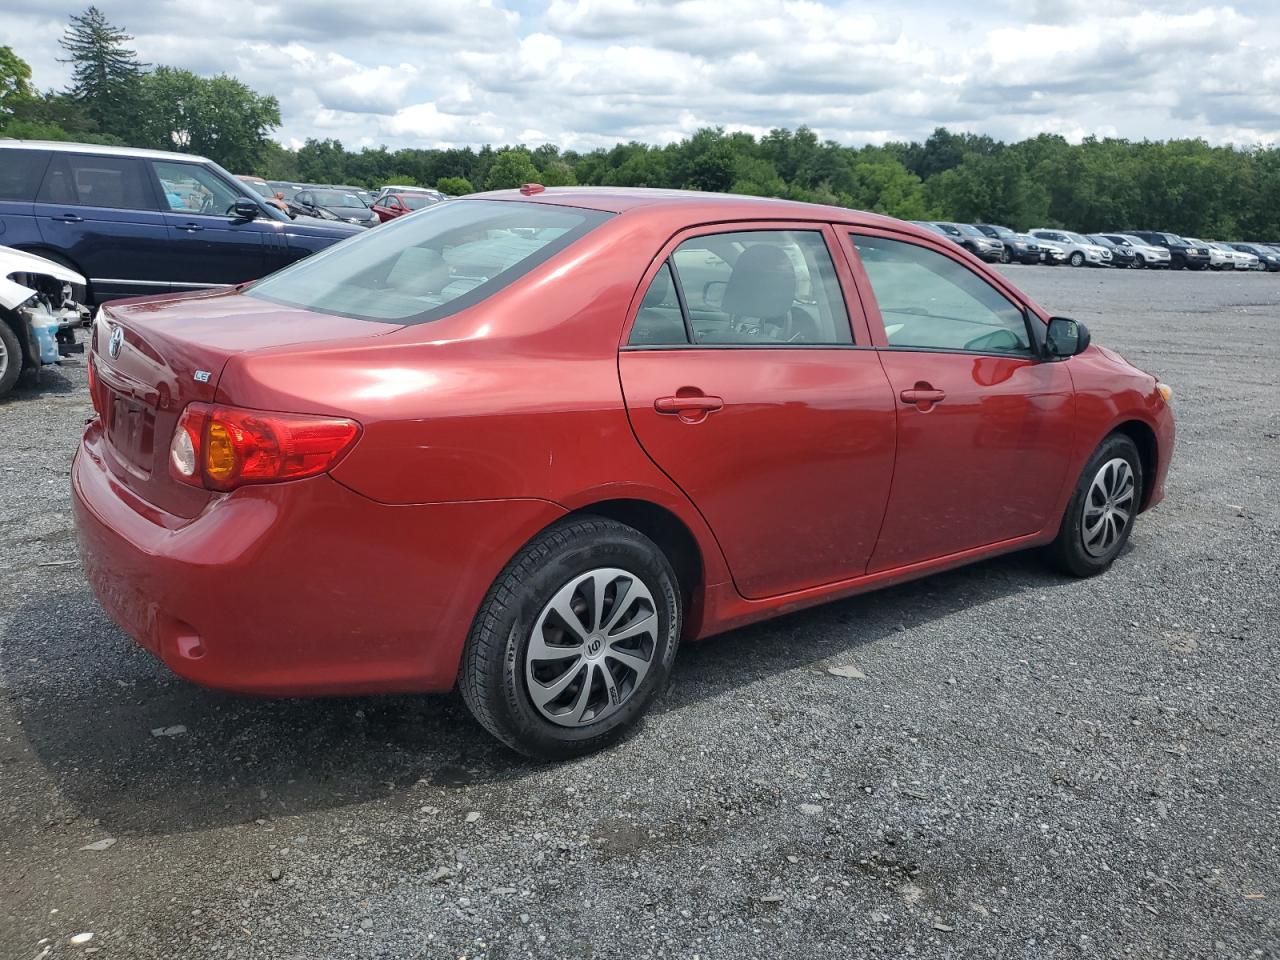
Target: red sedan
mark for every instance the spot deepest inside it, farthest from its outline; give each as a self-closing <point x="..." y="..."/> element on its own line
<point x="530" y="441"/>
<point x="398" y="204"/>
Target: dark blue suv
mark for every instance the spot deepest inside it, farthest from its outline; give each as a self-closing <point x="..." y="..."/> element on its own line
<point x="145" y="221"/>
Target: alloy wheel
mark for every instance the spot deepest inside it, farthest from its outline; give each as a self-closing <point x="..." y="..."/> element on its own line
<point x="4" y="357"/>
<point x="591" y="647"/>
<point x="1108" y="507"/>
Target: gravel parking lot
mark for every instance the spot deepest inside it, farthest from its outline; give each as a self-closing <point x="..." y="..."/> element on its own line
<point x="1020" y="765"/>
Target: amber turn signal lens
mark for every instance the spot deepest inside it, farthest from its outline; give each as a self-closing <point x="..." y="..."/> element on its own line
<point x="1165" y="391"/>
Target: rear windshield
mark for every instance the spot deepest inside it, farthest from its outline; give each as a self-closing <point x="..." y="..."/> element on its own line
<point x="435" y="263"/>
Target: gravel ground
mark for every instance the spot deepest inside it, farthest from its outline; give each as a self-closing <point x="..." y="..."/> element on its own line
<point x="1025" y="766"/>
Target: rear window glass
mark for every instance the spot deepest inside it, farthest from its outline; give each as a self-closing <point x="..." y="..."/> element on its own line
<point x="421" y="268"/>
<point x="20" y="173"/>
<point x="114" y="182"/>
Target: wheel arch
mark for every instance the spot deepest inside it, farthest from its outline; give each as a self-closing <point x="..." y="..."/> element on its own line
<point x="672" y="536"/>
<point x="1144" y="438"/>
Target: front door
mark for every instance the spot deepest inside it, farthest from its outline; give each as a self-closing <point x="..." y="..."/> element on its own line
<point x="744" y="384"/>
<point x="210" y="246"/>
<point x="984" y="426"/>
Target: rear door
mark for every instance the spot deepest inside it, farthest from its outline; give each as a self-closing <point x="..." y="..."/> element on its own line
<point x="984" y="426"/>
<point x="21" y="171"/>
<point x="750" y="381"/>
<point x="101" y="212"/>
<point x="210" y="246"/>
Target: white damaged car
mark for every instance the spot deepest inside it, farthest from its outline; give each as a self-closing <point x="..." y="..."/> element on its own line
<point x="39" y="311"/>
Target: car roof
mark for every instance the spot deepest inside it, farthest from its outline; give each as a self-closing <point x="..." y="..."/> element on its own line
<point x="691" y="203"/>
<point x="62" y="146"/>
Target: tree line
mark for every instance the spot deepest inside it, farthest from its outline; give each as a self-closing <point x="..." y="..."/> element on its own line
<point x="1186" y="186"/>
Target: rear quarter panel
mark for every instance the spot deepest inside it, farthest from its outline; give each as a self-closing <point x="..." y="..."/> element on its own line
<point x="515" y="398"/>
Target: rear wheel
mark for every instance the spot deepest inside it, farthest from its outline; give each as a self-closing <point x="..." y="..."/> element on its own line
<point x="1102" y="510"/>
<point x="574" y="640"/>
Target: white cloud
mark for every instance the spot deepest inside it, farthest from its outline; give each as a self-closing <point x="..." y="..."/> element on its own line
<point x="586" y="73"/>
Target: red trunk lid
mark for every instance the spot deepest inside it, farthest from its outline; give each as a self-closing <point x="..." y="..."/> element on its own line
<point x="168" y="352"/>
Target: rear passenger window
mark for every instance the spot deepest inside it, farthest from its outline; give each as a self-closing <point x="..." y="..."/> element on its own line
<point x="20" y="173"/>
<point x="92" y="181"/>
<point x="763" y="288"/>
<point x="659" y="320"/>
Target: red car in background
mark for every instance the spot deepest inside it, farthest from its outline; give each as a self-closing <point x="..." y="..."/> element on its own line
<point x="394" y="205"/>
<point x="527" y="442"/>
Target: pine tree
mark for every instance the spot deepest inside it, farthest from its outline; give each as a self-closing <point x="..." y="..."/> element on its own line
<point x="105" y="74"/>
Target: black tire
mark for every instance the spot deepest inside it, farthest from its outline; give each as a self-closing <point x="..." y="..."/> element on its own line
<point x="1076" y="259"/>
<point x="1139" y="261"/>
<point x="1068" y="551"/>
<point x="493" y="672"/>
<point x="1005" y="255"/>
<point x="10" y="358"/>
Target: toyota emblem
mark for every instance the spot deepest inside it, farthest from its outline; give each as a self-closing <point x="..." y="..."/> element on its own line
<point x="116" y="342"/>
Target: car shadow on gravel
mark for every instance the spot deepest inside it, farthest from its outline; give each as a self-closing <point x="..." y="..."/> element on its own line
<point x="144" y="752"/>
<point x="49" y="381"/>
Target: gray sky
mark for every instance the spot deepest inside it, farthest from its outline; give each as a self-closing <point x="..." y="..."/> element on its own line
<point x="585" y="73"/>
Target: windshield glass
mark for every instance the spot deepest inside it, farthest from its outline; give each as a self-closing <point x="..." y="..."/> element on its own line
<point x="971" y="230"/>
<point x="1075" y="237"/>
<point x="950" y="228"/>
<point x="259" y="188"/>
<point x="336" y="198"/>
<point x="417" y="202"/>
<point x="421" y="268"/>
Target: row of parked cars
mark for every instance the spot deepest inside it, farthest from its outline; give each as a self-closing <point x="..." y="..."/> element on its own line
<point x="1150" y="249"/>
<point x="327" y="201"/>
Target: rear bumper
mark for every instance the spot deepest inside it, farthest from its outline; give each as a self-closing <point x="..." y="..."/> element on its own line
<point x="296" y="588"/>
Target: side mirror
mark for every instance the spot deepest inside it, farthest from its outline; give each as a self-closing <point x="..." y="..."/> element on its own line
<point x="1065" y="338"/>
<point x="245" y="209"/>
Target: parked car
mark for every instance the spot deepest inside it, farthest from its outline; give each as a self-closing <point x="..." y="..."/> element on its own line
<point x="1079" y="249"/>
<point x="1120" y="256"/>
<point x="394" y="205"/>
<point x="39" y="312"/>
<point x="972" y="239"/>
<point x="1052" y="254"/>
<point x="145" y="221"/>
<point x="402" y="190"/>
<point x="1219" y="259"/>
<point x="263" y="189"/>
<point x="1268" y="257"/>
<point x="343" y="204"/>
<point x="1145" y="254"/>
<point x="1183" y="255"/>
<point x="1239" y="259"/>
<point x="1017" y="246"/>
<point x="384" y="404"/>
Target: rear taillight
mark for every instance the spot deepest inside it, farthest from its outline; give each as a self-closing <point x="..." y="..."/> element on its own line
<point x="222" y="448"/>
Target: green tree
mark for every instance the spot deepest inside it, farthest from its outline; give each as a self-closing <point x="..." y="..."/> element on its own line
<point x="105" y="74"/>
<point x="15" y="81"/>
<point x="511" y="168"/>
<point x="217" y="117"/>
<point x="455" y="186"/>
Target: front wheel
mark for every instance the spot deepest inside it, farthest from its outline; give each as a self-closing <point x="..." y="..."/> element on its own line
<point x="1102" y="510"/>
<point x="1005" y="255"/>
<point x="1077" y="259"/>
<point x="574" y="640"/>
<point x="10" y="357"/>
